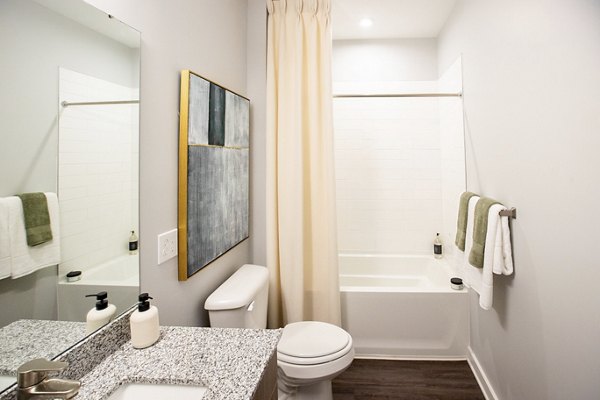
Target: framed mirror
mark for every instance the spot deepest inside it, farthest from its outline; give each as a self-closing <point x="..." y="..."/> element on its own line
<point x="69" y="129"/>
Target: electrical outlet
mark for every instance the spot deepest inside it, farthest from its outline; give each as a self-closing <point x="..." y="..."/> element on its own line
<point x="167" y="245"/>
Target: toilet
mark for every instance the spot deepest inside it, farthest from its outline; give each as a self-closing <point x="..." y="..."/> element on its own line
<point x="309" y="354"/>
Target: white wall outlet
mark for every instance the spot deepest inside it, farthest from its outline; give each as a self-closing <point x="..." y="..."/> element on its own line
<point x="167" y="245"/>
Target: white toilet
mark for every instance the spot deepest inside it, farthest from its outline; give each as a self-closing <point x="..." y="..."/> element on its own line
<point x="309" y="354"/>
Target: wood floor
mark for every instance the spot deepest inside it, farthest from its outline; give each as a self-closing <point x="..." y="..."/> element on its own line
<point x="414" y="380"/>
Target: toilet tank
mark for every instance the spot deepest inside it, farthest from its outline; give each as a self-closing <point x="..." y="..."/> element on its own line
<point x="241" y="301"/>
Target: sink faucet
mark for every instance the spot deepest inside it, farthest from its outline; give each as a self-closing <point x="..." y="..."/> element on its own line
<point x="33" y="381"/>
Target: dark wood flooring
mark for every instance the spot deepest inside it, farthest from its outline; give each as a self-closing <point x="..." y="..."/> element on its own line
<point x="414" y="380"/>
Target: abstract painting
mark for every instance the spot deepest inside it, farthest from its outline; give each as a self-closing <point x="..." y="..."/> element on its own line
<point x="214" y="125"/>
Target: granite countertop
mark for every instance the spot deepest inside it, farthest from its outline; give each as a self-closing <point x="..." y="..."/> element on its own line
<point x="229" y="362"/>
<point x="27" y="339"/>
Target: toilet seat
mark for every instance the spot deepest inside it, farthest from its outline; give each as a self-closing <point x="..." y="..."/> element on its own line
<point x="312" y="342"/>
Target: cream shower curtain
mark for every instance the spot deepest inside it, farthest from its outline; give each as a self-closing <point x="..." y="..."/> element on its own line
<point x="301" y="222"/>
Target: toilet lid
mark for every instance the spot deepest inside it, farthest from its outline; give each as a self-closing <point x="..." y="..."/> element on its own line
<point x="311" y="339"/>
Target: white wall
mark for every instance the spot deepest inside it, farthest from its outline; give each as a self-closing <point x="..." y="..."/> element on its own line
<point x="210" y="38"/>
<point x="384" y="60"/>
<point x="399" y="161"/>
<point x="531" y="82"/>
<point x="452" y="147"/>
<point x="388" y="173"/>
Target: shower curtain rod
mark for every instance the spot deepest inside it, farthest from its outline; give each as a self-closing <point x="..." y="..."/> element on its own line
<point x="337" y="96"/>
<point x="95" y="103"/>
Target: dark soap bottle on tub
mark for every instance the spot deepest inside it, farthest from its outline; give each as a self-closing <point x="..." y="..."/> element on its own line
<point x="437" y="247"/>
<point x="133" y="243"/>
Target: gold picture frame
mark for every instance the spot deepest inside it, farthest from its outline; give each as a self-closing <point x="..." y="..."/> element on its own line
<point x="214" y="152"/>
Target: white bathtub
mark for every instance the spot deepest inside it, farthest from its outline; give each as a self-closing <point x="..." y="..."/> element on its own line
<point x="402" y="307"/>
<point x="119" y="277"/>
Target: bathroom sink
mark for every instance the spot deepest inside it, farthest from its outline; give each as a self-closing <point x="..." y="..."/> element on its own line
<point x="150" y="391"/>
<point x="6" y="381"/>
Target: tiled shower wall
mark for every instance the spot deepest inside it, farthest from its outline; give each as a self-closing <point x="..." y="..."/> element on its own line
<point x="97" y="173"/>
<point x="390" y="170"/>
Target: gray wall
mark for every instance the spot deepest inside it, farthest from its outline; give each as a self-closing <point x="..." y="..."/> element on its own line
<point x="531" y="95"/>
<point x="32" y="49"/>
<point x="30" y="297"/>
<point x="209" y="38"/>
<point x="257" y="92"/>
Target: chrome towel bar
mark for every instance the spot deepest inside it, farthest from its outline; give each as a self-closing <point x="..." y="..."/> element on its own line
<point x="511" y="213"/>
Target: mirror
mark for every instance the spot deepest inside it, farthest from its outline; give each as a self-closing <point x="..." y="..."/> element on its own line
<point x="69" y="126"/>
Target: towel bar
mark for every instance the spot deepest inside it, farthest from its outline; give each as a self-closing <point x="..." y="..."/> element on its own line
<point x="511" y="213"/>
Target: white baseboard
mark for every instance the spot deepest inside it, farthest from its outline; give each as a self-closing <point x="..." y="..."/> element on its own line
<point x="482" y="379"/>
<point x="408" y="358"/>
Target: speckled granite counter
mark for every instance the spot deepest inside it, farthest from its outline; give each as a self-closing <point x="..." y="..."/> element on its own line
<point x="27" y="339"/>
<point x="229" y="362"/>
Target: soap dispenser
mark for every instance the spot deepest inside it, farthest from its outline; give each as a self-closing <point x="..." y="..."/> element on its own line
<point x="100" y="315"/>
<point x="133" y="243"/>
<point x="437" y="247"/>
<point x="144" y="323"/>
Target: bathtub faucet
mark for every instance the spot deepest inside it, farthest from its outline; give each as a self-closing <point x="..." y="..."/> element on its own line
<point x="33" y="381"/>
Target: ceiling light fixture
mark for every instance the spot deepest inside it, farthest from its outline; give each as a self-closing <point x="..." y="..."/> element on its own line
<point x="365" y="22"/>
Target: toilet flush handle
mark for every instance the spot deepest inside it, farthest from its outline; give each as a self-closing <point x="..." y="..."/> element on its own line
<point x="251" y="306"/>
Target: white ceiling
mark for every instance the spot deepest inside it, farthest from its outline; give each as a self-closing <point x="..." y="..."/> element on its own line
<point x="89" y="16"/>
<point x="391" y="18"/>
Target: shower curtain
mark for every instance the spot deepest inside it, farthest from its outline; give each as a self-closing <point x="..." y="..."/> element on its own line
<point x="301" y="223"/>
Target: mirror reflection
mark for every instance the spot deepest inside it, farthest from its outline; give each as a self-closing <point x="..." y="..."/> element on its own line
<point x="69" y="133"/>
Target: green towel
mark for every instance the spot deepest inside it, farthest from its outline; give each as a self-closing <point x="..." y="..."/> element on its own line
<point x="480" y="231"/>
<point x="37" y="218"/>
<point x="461" y="224"/>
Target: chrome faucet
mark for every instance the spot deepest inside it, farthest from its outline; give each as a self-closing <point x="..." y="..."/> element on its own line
<point x="33" y="381"/>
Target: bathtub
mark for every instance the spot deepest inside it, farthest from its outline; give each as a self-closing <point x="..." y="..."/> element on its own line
<point x="119" y="277"/>
<point x="402" y="307"/>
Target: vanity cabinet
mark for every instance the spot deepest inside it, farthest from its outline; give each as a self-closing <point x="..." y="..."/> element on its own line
<point x="267" y="387"/>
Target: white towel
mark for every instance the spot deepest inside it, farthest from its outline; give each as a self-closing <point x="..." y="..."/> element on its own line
<point x="5" y="262"/>
<point x="472" y="276"/>
<point x="26" y="259"/>
<point x="503" y="263"/>
<point x="497" y="255"/>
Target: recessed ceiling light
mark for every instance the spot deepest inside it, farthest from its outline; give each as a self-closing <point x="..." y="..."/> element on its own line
<point x="365" y="22"/>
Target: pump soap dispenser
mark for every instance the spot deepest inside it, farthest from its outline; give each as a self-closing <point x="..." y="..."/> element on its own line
<point x="438" y="251"/>
<point x="144" y="323"/>
<point x="100" y="315"/>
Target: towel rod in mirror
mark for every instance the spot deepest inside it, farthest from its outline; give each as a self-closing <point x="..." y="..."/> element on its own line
<point x="95" y="103"/>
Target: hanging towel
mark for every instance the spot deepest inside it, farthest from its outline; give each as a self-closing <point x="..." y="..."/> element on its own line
<point x="461" y="223"/>
<point x="480" y="228"/>
<point x="37" y="219"/>
<point x="5" y="262"/>
<point x="497" y="257"/>
<point x="503" y="262"/>
<point x="462" y="259"/>
<point x="26" y="259"/>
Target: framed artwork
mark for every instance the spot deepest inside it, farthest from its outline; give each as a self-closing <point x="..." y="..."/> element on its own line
<point x="214" y="152"/>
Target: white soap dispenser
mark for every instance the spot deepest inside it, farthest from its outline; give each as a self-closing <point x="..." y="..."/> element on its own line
<point x="100" y="315"/>
<point x="145" y="329"/>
